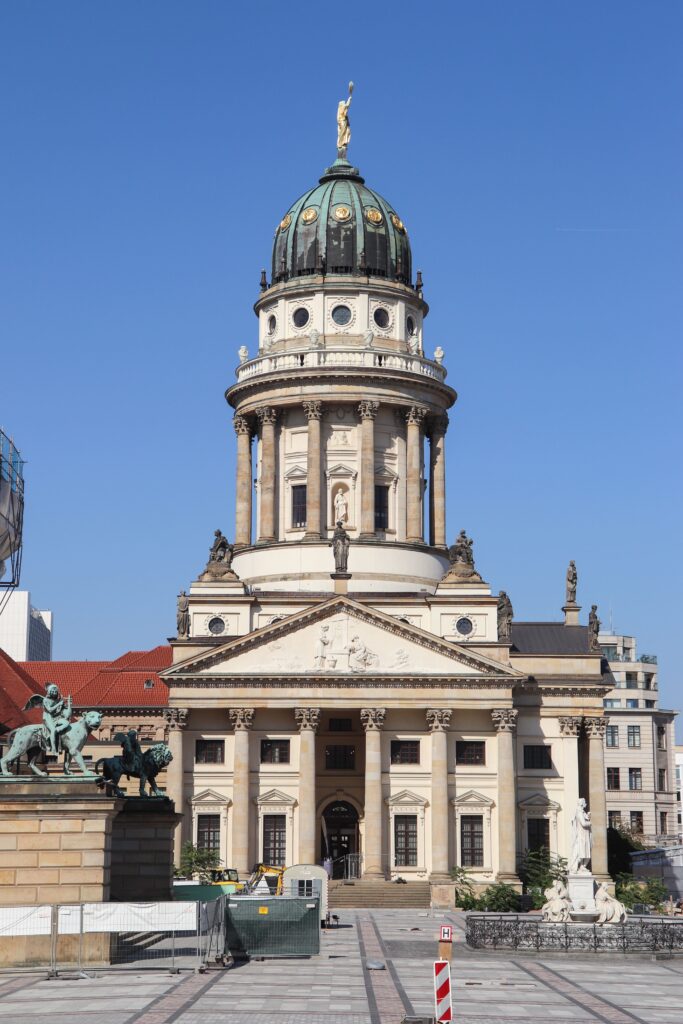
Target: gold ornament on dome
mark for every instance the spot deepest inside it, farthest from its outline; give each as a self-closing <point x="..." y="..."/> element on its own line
<point x="397" y="222"/>
<point x="309" y="215"/>
<point x="373" y="215"/>
<point x="342" y="213"/>
<point x="285" y="222"/>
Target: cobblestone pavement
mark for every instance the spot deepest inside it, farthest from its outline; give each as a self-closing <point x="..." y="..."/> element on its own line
<point x="338" y="988"/>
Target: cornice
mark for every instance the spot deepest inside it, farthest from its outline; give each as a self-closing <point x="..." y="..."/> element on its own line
<point x="374" y="380"/>
<point x="338" y="683"/>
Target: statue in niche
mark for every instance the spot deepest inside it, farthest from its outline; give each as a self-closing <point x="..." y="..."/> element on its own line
<point x="361" y="657"/>
<point x="572" y="580"/>
<point x="320" y="651"/>
<point x="340" y="549"/>
<point x="504" y="616"/>
<point x="341" y="506"/>
<point x="610" y="911"/>
<point x="414" y="345"/>
<point x="183" y="616"/>
<point x="582" y="840"/>
<point x="558" y="905"/>
<point x="593" y="629"/>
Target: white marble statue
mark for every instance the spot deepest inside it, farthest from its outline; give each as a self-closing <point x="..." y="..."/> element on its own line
<point x="582" y="840"/>
<point x="243" y="353"/>
<point x="321" y="646"/>
<point x="610" y="911"/>
<point x="360" y="656"/>
<point x="558" y="905"/>
<point x="341" y="506"/>
<point x="438" y="355"/>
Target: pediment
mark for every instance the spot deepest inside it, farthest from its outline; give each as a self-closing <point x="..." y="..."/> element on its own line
<point x="210" y="796"/>
<point x="341" y="637"/>
<point x="538" y="801"/>
<point x="295" y="473"/>
<point x="472" y="799"/>
<point x="406" y="798"/>
<point x="341" y="470"/>
<point x="275" y="796"/>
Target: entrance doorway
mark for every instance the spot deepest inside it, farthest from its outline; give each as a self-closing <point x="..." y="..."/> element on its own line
<point x="339" y="839"/>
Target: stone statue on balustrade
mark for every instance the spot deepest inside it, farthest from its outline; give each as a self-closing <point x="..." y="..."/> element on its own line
<point x="593" y="629"/>
<point x="571" y="584"/>
<point x="504" y="616"/>
<point x="219" y="566"/>
<point x="183" y="616"/>
<point x="461" y="557"/>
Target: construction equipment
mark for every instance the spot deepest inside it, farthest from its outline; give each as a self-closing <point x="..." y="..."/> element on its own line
<point x="264" y="873"/>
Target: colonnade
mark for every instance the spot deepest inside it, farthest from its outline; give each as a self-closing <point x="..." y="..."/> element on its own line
<point x="372" y="719"/>
<point x="419" y="423"/>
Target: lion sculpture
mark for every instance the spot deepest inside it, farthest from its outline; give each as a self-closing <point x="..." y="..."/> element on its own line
<point x="154" y="759"/>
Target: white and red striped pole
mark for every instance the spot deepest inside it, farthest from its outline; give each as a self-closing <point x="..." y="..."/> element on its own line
<point x="442" y="991"/>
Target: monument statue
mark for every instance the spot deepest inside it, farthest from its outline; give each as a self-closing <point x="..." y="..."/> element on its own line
<point x="221" y="550"/>
<point x="341" y="506"/>
<point x="344" y="125"/>
<point x="56" y="715"/>
<point x="593" y="629"/>
<point x="461" y="551"/>
<point x="133" y="762"/>
<point x="183" y="616"/>
<point x="340" y="548"/>
<point x="558" y="905"/>
<point x="582" y="840"/>
<point x="610" y="910"/>
<point x="32" y="739"/>
<point x="572" y="580"/>
<point x="504" y="616"/>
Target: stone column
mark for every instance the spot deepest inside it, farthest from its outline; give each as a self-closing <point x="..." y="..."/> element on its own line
<point x="308" y="720"/>
<point x="367" y="411"/>
<point x="176" y="721"/>
<point x="414" y="418"/>
<point x="373" y="720"/>
<point x="438" y="720"/>
<point x="437" y="481"/>
<point x="570" y="730"/>
<point x="267" y="417"/>
<point x="243" y="488"/>
<point x="597" y="803"/>
<point x="313" y="411"/>
<point x="505" y="723"/>
<point x="241" y="720"/>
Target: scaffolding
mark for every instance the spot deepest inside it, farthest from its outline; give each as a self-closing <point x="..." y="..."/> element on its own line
<point x="11" y="516"/>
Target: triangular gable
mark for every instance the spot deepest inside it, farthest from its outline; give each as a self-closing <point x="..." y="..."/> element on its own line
<point x="538" y="801"/>
<point x="209" y="797"/>
<point x="340" y="637"/>
<point x="472" y="799"/>
<point x="275" y="797"/>
<point x="406" y="799"/>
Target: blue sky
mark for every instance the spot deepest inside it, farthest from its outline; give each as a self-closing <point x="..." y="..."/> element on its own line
<point x="533" y="150"/>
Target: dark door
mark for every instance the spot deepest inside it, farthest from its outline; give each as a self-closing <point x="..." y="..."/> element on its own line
<point x="339" y="838"/>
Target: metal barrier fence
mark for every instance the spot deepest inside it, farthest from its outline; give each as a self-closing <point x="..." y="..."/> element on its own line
<point x="527" y="932"/>
<point x="282" y="926"/>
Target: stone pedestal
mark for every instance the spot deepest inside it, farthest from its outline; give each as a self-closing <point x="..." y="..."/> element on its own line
<point x="142" y="850"/>
<point x="581" y="889"/>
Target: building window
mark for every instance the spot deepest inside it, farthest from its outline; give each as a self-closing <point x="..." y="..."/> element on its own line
<point x="381" y="507"/>
<point x="632" y="704"/>
<point x="609" y="651"/>
<point x="472" y="841"/>
<point x="649" y="703"/>
<point x="635" y="778"/>
<point x="661" y="737"/>
<point x="613" y="778"/>
<point x="537" y="756"/>
<point x="209" y="752"/>
<point x="340" y="756"/>
<point x="634" y="735"/>
<point x="612" y="736"/>
<point x="614" y="819"/>
<point x="274" y="751"/>
<point x="470" y="752"/>
<point x="274" y="839"/>
<point x="662" y="823"/>
<point x="298" y="506"/>
<point x="637" y="822"/>
<point x="538" y="834"/>
<point x="661" y="780"/>
<point x="611" y="702"/>
<point x="631" y="681"/>
<point x="340" y="725"/>
<point x="208" y="831"/>
<point x="648" y="682"/>
<point x="405" y="751"/>
<point x="405" y="840"/>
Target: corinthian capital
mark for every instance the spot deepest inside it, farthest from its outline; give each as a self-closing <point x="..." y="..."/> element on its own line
<point x="307" y="718"/>
<point x="504" y="719"/>
<point x="438" y="425"/>
<point x="416" y="414"/>
<point x="241" y="718"/>
<point x="368" y="410"/>
<point x="438" y="719"/>
<point x="176" y="718"/>
<point x="313" y="410"/>
<point x="266" y="414"/>
<point x="372" y="718"/>
<point x="241" y="425"/>
<point x="570" y="725"/>
<point x="595" y="727"/>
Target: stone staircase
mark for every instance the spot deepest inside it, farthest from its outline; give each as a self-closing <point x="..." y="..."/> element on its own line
<point x="375" y="892"/>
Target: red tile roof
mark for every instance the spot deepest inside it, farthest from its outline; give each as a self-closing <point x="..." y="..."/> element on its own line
<point x="70" y="676"/>
<point x="16" y="686"/>
<point x="123" y="689"/>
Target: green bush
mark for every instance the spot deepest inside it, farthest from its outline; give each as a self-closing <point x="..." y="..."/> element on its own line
<point x="630" y="891"/>
<point x="499" y="898"/>
<point x="194" y="861"/>
<point x="538" y="870"/>
<point x="464" y="889"/>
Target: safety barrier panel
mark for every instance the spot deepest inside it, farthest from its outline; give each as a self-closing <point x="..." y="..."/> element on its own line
<point x="281" y="926"/>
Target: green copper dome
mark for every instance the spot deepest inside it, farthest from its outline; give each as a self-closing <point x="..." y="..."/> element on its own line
<point x="341" y="227"/>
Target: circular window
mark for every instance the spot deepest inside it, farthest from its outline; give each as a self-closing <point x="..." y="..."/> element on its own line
<point x="381" y="318"/>
<point x="341" y="315"/>
<point x="272" y="324"/>
<point x="300" y="317"/>
<point x="216" y="626"/>
<point x="464" y="626"/>
<point x="410" y="326"/>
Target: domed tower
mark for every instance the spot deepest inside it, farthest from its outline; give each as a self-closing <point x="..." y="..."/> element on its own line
<point x="341" y="400"/>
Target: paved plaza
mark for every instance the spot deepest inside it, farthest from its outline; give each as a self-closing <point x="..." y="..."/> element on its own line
<point x="338" y="988"/>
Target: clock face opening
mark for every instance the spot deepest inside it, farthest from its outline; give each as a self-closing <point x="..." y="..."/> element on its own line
<point x="464" y="626"/>
<point x="216" y="626"/>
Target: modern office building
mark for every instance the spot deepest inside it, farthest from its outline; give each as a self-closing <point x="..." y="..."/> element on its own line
<point x="25" y="631"/>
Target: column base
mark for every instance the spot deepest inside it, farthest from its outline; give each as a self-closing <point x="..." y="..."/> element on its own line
<point x="367" y="536"/>
<point x="508" y="878"/>
<point x="372" y="873"/>
<point x="311" y="536"/>
<point x="266" y="540"/>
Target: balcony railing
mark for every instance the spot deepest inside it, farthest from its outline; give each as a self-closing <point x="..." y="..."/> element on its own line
<point x="333" y="358"/>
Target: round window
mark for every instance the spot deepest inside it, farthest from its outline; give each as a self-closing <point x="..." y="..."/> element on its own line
<point x="381" y="318"/>
<point x="272" y="324"/>
<point x="410" y="326"/>
<point x="464" y="626"/>
<point x="216" y="626"/>
<point x="300" y="317"/>
<point x="341" y="315"/>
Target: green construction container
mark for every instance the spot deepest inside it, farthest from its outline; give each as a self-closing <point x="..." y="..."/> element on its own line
<point x="272" y="926"/>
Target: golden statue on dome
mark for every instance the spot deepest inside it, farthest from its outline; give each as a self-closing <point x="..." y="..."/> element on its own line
<point x="344" y="125"/>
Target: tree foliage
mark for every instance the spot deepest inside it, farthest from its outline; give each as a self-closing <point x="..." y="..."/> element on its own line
<point x="199" y="862"/>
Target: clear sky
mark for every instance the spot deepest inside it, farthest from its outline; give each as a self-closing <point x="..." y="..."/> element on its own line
<point x="533" y="150"/>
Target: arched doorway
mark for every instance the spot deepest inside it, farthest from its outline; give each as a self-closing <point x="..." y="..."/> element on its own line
<point x="339" y="838"/>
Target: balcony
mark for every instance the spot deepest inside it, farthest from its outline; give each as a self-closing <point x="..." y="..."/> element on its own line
<point x="340" y="358"/>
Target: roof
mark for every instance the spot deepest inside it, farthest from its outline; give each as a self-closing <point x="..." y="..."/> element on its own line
<point x="70" y="676"/>
<point x="16" y="687"/>
<point x="123" y="682"/>
<point x="549" y="638"/>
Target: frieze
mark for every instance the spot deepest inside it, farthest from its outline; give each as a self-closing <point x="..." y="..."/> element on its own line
<point x="345" y="682"/>
<point x="176" y="718"/>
